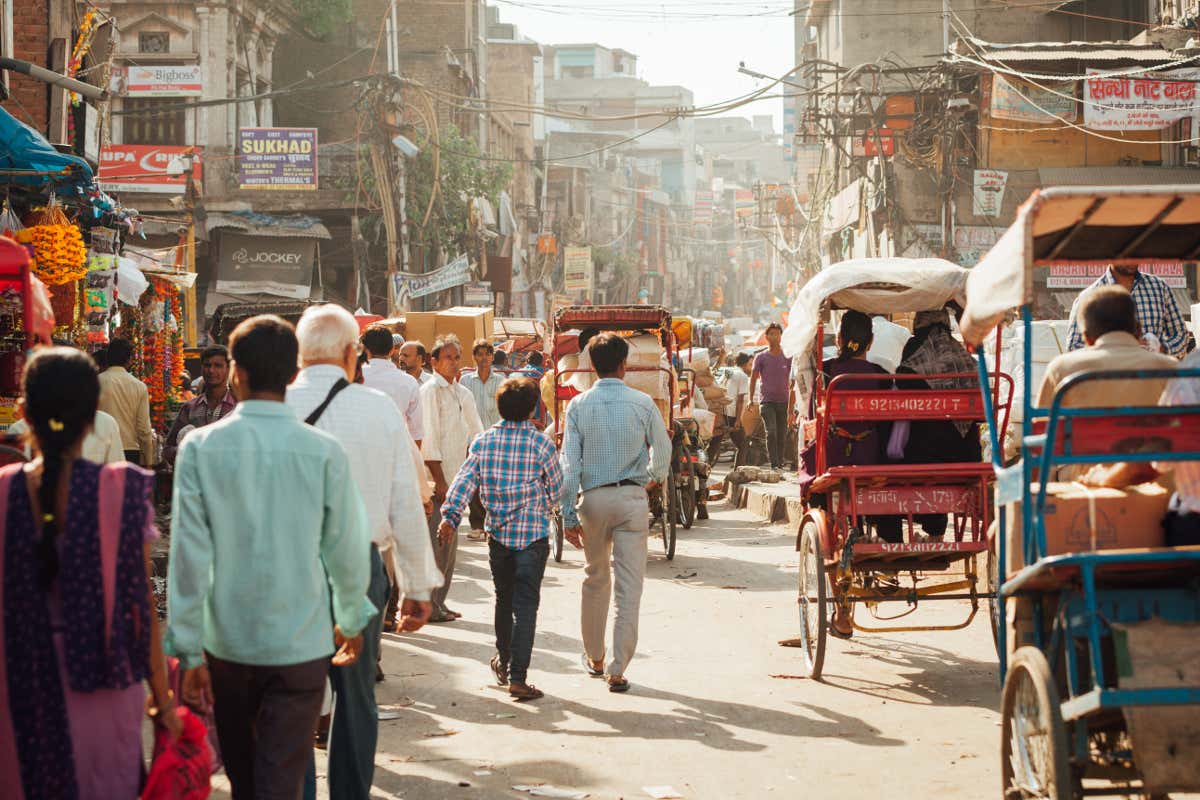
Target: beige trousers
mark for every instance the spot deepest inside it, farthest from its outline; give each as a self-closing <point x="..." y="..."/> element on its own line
<point x="616" y="526"/>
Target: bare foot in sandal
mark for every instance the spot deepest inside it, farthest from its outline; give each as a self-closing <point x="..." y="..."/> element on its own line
<point x="617" y="684"/>
<point x="521" y="692"/>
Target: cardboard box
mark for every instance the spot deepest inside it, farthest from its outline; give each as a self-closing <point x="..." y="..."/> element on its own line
<point x="467" y="323"/>
<point x="1081" y="519"/>
<point x="420" y="326"/>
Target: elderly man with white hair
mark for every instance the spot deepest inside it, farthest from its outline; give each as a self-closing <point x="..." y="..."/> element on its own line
<point x="375" y="437"/>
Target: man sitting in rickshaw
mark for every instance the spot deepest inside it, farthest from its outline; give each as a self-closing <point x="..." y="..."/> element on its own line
<point x="933" y="350"/>
<point x="1108" y="317"/>
<point x="854" y="443"/>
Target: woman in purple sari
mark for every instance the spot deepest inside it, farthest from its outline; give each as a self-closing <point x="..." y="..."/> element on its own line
<point x="78" y="634"/>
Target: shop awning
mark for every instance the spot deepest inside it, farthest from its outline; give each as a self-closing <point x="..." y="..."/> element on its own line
<point x="253" y="224"/>
<point x="28" y="160"/>
<point x="1089" y="52"/>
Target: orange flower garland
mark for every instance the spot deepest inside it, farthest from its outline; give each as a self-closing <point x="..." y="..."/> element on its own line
<point x="60" y="255"/>
<point x="162" y="352"/>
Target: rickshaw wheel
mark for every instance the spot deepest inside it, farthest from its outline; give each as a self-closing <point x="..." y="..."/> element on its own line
<point x="995" y="607"/>
<point x="1034" y="760"/>
<point x="812" y="599"/>
<point x="670" y="512"/>
<point x="685" y="491"/>
<point x="557" y="520"/>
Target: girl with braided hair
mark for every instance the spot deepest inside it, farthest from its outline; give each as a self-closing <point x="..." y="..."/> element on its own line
<point x="78" y="635"/>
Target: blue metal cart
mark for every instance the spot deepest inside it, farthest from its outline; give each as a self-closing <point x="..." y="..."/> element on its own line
<point x="1064" y="709"/>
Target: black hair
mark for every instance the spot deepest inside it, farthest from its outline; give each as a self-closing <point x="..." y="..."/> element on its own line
<point x="378" y="340"/>
<point x="517" y="398"/>
<point x="266" y="348"/>
<point x="214" y="350"/>
<point x="483" y="344"/>
<point x="585" y="336"/>
<point x="449" y="341"/>
<point x="773" y="326"/>
<point x="1107" y="309"/>
<point x="500" y="358"/>
<point x="119" y="352"/>
<point x="742" y="358"/>
<point x="608" y="352"/>
<point x="856" y="333"/>
<point x="536" y="358"/>
<point x="62" y="391"/>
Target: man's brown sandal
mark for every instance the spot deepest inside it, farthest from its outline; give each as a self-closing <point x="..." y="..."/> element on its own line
<point x="522" y="692"/>
<point x="617" y="684"/>
<point x="590" y="666"/>
<point x="500" y="670"/>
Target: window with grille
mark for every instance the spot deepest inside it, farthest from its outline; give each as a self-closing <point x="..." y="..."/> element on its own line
<point x="148" y="123"/>
<point x="154" y="42"/>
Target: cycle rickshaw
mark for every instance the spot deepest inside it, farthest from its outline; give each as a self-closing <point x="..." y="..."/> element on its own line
<point x="841" y="566"/>
<point x="652" y="373"/>
<point x="1092" y="695"/>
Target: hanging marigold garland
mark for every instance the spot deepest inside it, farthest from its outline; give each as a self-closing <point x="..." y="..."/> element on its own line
<point x="158" y="340"/>
<point x="59" y="253"/>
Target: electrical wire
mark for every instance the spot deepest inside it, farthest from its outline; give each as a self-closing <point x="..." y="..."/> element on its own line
<point x="969" y="40"/>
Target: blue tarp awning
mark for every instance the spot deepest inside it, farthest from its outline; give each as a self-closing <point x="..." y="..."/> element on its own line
<point x="27" y="159"/>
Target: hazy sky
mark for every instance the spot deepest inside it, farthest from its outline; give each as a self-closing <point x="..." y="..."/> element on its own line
<point x="692" y="43"/>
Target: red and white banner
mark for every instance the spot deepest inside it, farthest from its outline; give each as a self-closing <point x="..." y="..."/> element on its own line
<point x="1081" y="276"/>
<point x="144" y="168"/>
<point x="159" y="80"/>
<point x="1140" y="104"/>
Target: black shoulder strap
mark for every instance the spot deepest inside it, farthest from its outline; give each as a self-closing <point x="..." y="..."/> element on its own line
<point x="333" y="392"/>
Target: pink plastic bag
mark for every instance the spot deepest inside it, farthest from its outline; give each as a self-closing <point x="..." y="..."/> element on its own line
<point x="182" y="770"/>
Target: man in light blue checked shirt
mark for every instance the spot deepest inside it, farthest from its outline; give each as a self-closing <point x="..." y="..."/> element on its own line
<point x="615" y="448"/>
<point x="1158" y="314"/>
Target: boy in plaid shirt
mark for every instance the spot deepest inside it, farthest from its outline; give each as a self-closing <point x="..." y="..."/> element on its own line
<point x="516" y="470"/>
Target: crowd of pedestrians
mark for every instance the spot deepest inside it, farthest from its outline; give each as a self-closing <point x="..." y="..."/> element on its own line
<point x="319" y="479"/>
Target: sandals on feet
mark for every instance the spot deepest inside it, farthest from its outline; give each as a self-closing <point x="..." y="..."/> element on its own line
<point x="500" y="670"/>
<point x="591" y="669"/>
<point x="521" y="692"/>
<point x="617" y="684"/>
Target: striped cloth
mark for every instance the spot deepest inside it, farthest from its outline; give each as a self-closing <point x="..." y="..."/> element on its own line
<point x="1157" y="313"/>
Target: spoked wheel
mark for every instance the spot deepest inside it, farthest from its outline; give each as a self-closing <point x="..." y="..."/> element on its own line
<point x="685" y="490"/>
<point x="1034" y="760"/>
<point x="995" y="606"/>
<point x="814" y="591"/>
<point x="556" y="518"/>
<point x="670" y="513"/>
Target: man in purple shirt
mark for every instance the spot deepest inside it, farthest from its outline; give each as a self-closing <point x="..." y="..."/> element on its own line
<point x="773" y="371"/>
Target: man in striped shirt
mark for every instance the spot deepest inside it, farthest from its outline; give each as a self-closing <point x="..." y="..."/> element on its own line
<point x="515" y="468"/>
<point x="1158" y="314"/>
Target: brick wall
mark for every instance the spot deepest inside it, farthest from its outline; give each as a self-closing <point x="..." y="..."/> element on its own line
<point x="426" y="30"/>
<point x="30" y="99"/>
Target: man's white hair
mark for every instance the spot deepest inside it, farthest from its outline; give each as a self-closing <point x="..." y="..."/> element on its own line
<point x="325" y="332"/>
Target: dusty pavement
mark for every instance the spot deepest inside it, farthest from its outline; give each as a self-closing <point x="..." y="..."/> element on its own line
<point x="904" y="715"/>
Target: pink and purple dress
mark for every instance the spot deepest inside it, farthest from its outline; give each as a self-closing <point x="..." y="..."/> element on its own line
<point x="73" y="657"/>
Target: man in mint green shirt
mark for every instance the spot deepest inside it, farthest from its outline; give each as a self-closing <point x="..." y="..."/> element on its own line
<point x="269" y="534"/>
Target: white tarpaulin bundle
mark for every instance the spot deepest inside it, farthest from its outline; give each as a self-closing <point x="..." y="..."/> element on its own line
<point x="873" y="286"/>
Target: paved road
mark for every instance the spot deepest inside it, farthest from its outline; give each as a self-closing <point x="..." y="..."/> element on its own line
<point x="905" y="715"/>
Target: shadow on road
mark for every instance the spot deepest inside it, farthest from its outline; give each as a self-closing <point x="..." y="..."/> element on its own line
<point x="930" y="675"/>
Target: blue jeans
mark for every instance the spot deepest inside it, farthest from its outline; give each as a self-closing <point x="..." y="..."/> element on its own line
<point x="517" y="575"/>
<point x="355" y="728"/>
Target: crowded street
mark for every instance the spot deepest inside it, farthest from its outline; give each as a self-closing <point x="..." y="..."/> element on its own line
<point x="599" y="399"/>
<point x="720" y="709"/>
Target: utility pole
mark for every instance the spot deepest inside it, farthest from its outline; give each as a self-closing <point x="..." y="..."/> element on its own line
<point x="945" y="26"/>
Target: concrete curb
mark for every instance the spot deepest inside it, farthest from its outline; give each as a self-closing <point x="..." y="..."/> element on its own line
<point x="771" y="502"/>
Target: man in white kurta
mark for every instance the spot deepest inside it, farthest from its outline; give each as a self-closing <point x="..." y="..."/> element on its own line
<point x="451" y="424"/>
